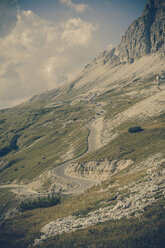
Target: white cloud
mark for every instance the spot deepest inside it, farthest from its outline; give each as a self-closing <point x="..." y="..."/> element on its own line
<point x="77" y="32"/>
<point x="38" y="55"/>
<point x="77" y="7"/>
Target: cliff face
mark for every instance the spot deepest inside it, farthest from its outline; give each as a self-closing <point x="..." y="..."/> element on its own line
<point x="100" y="170"/>
<point x="145" y="35"/>
<point x="157" y="31"/>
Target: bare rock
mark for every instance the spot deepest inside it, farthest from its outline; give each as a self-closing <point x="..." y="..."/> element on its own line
<point x="97" y="169"/>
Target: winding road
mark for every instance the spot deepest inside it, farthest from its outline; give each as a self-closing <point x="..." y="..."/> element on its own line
<point x="82" y="184"/>
<point x="93" y="145"/>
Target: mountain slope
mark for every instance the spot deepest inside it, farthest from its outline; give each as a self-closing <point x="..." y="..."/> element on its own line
<point x="83" y="130"/>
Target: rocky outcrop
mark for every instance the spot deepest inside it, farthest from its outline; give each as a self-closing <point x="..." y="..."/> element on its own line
<point x="146" y="35"/>
<point x="139" y="195"/>
<point x="101" y="170"/>
<point x="107" y="57"/>
<point x="157" y="31"/>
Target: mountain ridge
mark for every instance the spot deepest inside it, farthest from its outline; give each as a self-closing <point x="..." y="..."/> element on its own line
<point x="142" y="36"/>
<point x="145" y="35"/>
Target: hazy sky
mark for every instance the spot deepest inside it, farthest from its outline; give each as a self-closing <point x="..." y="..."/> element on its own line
<point x="47" y="42"/>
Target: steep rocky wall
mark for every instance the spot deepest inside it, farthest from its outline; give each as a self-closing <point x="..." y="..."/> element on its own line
<point x="158" y="31"/>
<point x="101" y="170"/>
<point x="146" y="34"/>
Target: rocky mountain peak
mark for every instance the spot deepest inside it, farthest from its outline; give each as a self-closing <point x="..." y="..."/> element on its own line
<point x="156" y="3"/>
<point x="145" y="35"/>
<point x="152" y="7"/>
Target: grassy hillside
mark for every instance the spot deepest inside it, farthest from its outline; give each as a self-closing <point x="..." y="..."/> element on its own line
<point x="49" y="130"/>
<point x="45" y="135"/>
<point x="8" y="201"/>
<point x="134" y="146"/>
<point x="148" y="231"/>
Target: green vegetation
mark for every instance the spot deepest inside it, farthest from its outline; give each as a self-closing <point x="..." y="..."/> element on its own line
<point x="2" y="121"/>
<point x="41" y="202"/>
<point x="51" y="129"/>
<point x="41" y="138"/>
<point x="136" y="129"/>
<point x="136" y="147"/>
<point x="51" y="126"/>
<point x="147" y="231"/>
<point x="7" y="200"/>
<point x="13" y="146"/>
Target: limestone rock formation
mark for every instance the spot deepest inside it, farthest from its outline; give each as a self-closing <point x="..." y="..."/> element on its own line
<point x="101" y="170"/>
<point x="146" y="35"/>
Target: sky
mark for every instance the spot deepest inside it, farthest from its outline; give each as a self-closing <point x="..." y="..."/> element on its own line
<point x="46" y="43"/>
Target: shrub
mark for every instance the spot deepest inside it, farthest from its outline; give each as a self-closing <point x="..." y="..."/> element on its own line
<point x="41" y="202"/>
<point x="135" y="129"/>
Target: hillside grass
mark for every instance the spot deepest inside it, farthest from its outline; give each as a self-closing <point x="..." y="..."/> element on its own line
<point x="8" y="200"/>
<point x="146" y="231"/>
<point x="134" y="146"/>
<point x="43" y="144"/>
<point x="48" y="130"/>
<point x="25" y="227"/>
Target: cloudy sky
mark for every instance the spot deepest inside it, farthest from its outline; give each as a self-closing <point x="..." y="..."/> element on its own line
<point x="44" y="43"/>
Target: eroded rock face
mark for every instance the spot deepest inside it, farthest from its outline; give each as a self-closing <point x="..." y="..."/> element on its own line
<point x="158" y="31"/>
<point x="146" y="35"/>
<point x="97" y="169"/>
<point x="109" y="58"/>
